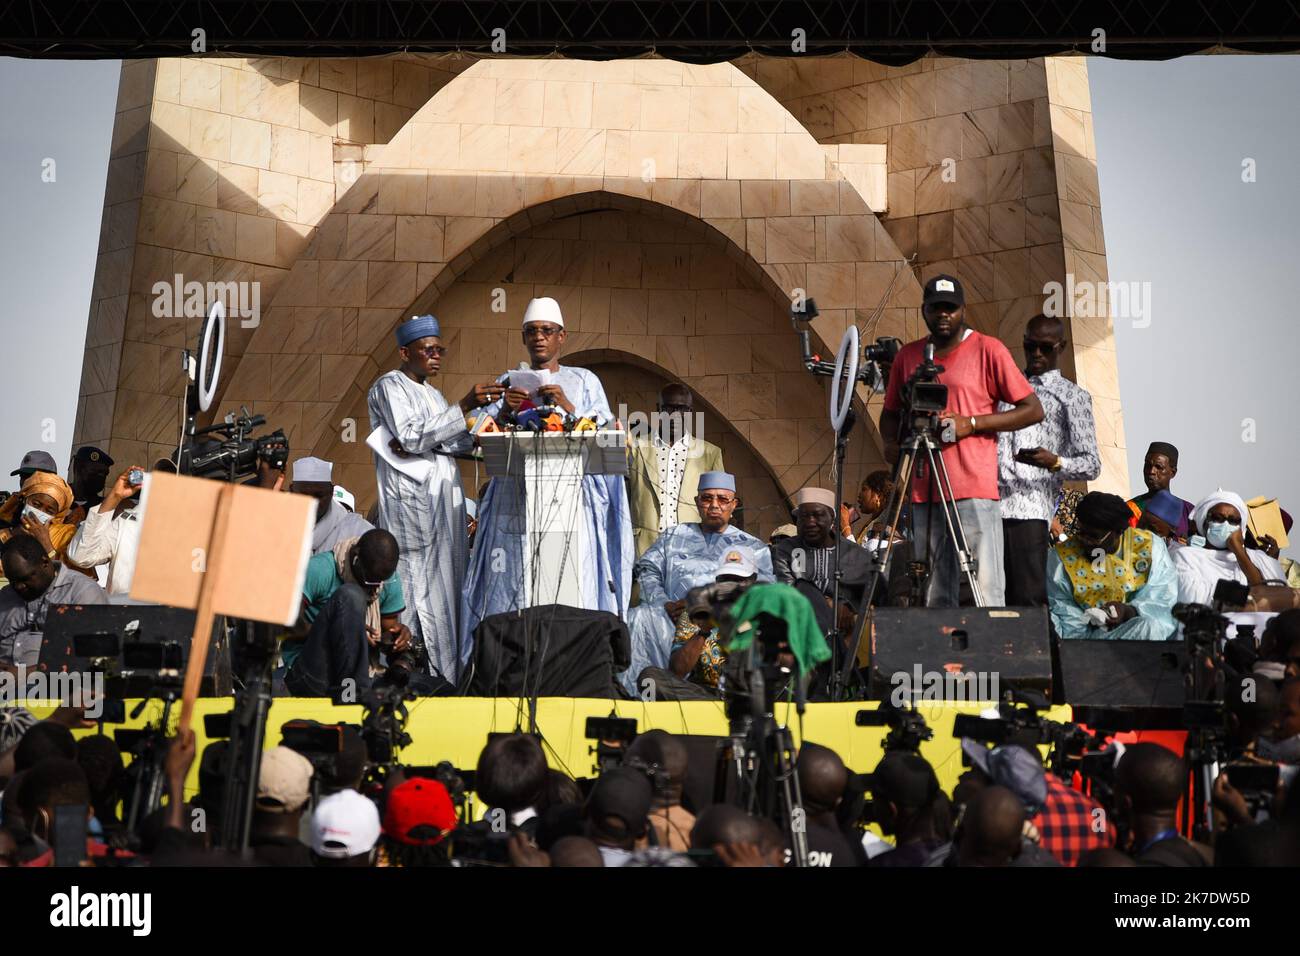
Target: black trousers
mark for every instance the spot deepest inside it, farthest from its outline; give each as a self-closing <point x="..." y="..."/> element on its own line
<point x="1024" y="560"/>
<point x="336" y="648"/>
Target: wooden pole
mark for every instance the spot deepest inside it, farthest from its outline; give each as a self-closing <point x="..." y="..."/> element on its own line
<point x="204" y="615"/>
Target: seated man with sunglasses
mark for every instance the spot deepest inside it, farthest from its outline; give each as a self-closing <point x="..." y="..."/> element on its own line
<point x="1035" y="462"/>
<point x="1109" y="580"/>
<point x="351" y="600"/>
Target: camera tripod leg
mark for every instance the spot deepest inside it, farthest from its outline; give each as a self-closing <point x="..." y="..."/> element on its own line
<point x="790" y="797"/>
<point x="952" y="519"/>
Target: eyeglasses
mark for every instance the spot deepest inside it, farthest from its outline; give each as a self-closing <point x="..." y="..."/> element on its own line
<point x="1235" y="521"/>
<point x="545" y="331"/>
<point x="438" y="350"/>
<point x="1047" y="348"/>
<point x="717" y="500"/>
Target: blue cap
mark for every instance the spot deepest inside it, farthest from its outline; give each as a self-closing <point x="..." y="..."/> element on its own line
<point x="1165" y="506"/>
<point x="716" y="479"/>
<point x="419" y="327"/>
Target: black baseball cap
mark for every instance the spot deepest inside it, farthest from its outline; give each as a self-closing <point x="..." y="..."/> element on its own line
<point x="36" y="461"/>
<point x="91" y="453"/>
<point x="943" y="288"/>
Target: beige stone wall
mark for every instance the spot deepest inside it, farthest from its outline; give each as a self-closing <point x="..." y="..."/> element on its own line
<point x="671" y="209"/>
<point x="992" y="177"/>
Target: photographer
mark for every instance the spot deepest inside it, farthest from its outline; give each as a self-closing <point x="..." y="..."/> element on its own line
<point x="110" y="534"/>
<point x="909" y="805"/>
<point x="1149" y="785"/>
<point x="823" y="779"/>
<point x="350" y="607"/>
<point x="979" y="373"/>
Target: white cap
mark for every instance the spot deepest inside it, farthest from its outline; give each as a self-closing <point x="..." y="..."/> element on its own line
<point x="345" y="824"/>
<point x="345" y="496"/>
<point x="313" y="469"/>
<point x="544" y="309"/>
<point x="736" y="563"/>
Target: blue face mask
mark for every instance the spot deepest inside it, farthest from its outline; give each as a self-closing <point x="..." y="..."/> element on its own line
<point x="1217" y="533"/>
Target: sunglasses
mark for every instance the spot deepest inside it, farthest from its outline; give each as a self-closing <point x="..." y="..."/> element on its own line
<point x="1235" y="521"/>
<point x="438" y="350"/>
<point x="1047" y="348"/>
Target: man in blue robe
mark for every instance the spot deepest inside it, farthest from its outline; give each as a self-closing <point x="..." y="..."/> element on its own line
<point x="684" y="557"/>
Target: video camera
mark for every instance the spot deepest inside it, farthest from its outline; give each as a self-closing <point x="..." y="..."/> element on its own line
<point x="924" y="397"/>
<point x="876" y="358"/>
<point x="236" y="456"/>
<point x="907" y="726"/>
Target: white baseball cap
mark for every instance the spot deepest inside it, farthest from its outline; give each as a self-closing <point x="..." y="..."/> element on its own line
<point x="736" y="563"/>
<point x="345" y="824"/>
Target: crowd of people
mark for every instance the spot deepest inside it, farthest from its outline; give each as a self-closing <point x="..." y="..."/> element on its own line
<point x="409" y="586"/>
<point x="1004" y="810"/>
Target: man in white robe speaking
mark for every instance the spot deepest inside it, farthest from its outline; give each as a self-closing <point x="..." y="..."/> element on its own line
<point x="421" y="501"/>
<point x="496" y="579"/>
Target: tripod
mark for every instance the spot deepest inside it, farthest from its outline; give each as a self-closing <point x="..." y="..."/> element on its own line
<point x="922" y="441"/>
<point x="247" y="732"/>
<point x="756" y="761"/>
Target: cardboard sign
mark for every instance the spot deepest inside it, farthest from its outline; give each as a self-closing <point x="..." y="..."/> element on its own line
<point x="1265" y="517"/>
<point x="258" y="566"/>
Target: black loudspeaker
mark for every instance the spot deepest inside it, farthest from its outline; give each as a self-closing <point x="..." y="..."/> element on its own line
<point x="133" y="623"/>
<point x="551" y="650"/>
<point x="997" y="648"/>
<point x="1134" y="674"/>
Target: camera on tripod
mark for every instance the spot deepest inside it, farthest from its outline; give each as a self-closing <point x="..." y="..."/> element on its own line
<point x="925" y="397"/>
<point x="236" y="455"/>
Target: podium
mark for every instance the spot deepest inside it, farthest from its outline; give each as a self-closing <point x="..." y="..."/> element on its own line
<point x="551" y="465"/>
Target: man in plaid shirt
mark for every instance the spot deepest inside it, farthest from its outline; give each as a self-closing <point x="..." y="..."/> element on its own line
<point x="1071" y="823"/>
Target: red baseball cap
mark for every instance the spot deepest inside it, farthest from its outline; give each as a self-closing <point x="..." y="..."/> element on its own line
<point x="419" y="802"/>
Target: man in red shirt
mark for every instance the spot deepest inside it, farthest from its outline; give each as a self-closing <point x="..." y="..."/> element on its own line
<point x="979" y="373"/>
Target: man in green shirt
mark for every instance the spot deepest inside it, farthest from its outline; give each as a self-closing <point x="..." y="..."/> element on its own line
<point x="351" y="600"/>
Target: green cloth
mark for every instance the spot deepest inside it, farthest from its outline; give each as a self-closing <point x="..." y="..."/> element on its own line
<point x="784" y="602"/>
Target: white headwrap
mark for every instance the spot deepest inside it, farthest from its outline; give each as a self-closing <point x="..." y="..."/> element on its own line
<point x="1220" y="497"/>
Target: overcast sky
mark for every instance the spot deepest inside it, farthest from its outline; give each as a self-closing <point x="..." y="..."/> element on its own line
<point x="1214" y="366"/>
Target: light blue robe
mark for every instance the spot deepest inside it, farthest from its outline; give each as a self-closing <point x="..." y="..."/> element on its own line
<point x="1154" y="603"/>
<point x="683" y="557"/>
<point x="495" y="581"/>
<point x="427" y="518"/>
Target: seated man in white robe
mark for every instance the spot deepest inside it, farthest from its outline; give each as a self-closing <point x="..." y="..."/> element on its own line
<point x="314" y="477"/>
<point x="1221" y="521"/>
<point x="423" y="505"/>
<point x="684" y="557"/>
<point x="498" y="566"/>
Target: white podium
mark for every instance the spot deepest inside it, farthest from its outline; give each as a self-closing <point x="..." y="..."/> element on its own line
<point x="551" y="465"/>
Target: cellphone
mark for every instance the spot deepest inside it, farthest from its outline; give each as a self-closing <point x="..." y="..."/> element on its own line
<point x="1253" y="776"/>
<point x="135" y="476"/>
<point x="68" y="834"/>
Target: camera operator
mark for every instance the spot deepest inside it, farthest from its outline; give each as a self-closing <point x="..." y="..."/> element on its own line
<point x="979" y="373"/>
<point x="1149" y="785"/>
<point x="908" y="804"/>
<point x="351" y="602"/>
<point x="823" y="779"/>
<point x="697" y="658"/>
<point x="664" y="759"/>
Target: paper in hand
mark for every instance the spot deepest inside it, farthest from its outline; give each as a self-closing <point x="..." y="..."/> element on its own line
<point x="530" y="379"/>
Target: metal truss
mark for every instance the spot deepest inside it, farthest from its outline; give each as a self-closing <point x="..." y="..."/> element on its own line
<point x="701" y="31"/>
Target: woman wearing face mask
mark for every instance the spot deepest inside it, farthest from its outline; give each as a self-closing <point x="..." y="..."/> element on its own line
<point x="46" y="499"/>
<point x="1222" y="520"/>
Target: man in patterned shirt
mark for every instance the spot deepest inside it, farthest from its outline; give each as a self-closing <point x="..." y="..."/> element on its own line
<point x="1035" y="462"/>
